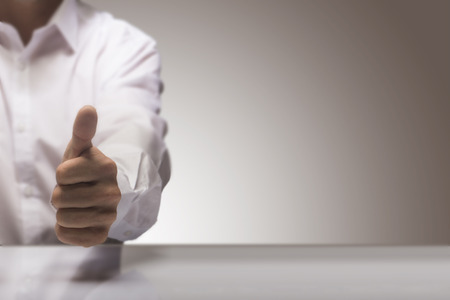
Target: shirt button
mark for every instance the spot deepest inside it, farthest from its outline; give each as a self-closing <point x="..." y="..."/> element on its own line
<point x="25" y="287"/>
<point x="20" y="127"/>
<point x="28" y="191"/>
<point x="21" y="65"/>
<point x="127" y="233"/>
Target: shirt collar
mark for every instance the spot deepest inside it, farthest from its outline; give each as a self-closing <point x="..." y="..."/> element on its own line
<point x="66" y="20"/>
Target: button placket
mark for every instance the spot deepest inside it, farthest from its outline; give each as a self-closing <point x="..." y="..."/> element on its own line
<point x="28" y="191"/>
<point x="21" y="127"/>
<point x="23" y="145"/>
<point x="21" y="65"/>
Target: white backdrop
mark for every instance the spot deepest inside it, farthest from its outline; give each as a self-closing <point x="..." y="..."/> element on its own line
<point x="302" y="122"/>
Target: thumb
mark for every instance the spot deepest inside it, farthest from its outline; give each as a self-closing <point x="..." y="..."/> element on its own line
<point x="83" y="131"/>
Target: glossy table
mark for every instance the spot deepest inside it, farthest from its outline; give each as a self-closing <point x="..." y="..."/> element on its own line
<point x="224" y="272"/>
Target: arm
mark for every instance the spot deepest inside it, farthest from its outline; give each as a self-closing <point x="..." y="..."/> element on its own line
<point x="130" y="133"/>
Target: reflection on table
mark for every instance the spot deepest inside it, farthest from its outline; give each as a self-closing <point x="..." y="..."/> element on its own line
<point x="64" y="272"/>
<point x="224" y="272"/>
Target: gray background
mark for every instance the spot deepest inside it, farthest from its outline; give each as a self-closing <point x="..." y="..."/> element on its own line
<point x="302" y="122"/>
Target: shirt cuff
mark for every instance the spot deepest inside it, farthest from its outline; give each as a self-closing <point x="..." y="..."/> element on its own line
<point x="140" y="186"/>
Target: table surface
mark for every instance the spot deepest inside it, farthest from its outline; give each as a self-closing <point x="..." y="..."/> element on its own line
<point x="224" y="272"/>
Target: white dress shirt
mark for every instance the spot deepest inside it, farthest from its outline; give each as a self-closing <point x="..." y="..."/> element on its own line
<point x="82" y="56"/>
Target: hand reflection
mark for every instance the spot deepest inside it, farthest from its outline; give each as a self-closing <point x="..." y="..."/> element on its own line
<point x="65" y="272"/>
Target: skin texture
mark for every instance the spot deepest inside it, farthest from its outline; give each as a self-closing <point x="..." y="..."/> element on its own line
<point x="87" y="194"/>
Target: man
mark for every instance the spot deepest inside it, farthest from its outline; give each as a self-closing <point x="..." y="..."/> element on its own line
<point x="58" y="60"/>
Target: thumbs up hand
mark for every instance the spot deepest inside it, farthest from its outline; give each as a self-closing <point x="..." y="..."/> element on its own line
<point x="87" y="194"/>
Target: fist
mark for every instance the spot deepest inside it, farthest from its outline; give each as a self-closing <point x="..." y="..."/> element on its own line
<point x="87" y="194"/>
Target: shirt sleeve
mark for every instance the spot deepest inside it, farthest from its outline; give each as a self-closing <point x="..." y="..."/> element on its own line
<point x="130" y="130"/>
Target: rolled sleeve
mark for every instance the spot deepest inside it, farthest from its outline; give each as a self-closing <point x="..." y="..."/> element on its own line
<point x="131" y="132"/>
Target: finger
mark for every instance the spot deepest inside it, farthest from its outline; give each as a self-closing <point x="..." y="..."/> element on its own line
<point x="81" y="236"/>
<point x="76" y="170"/>
<point x="84" y="129"/>
<point x="92" y="166"/>
<point x="85" y="195"/>
<point x="85" y="217"/>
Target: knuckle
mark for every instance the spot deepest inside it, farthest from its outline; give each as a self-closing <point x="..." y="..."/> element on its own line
<point x="110" y="196"/>
<point x="103" y="235"/>
<point x="95" y="236"/>
<point x="108" y="167"/>
<point x="110" y="217"/>
<point x="58" y="231"/>
<point x="59" y="217"/>
<point x="85" y="237"/>
<point x="87" y="241"/>
<point x="62" y="218"/>
<point x="115" y="194"/>
<point x="56" y="197"/>
<point x="106" y="217"/>
<point x="61" y="174"/>
<point x="61" y="234"/>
